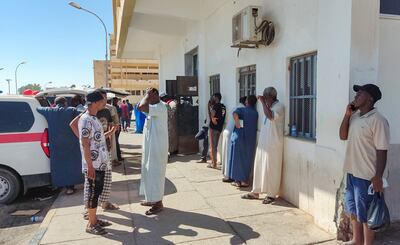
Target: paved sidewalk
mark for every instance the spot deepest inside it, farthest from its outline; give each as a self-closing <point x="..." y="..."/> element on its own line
<point x="200" y="209"/>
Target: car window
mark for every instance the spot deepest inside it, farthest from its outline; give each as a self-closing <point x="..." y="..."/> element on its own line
<point x="15" y="117"/>
<point x="43" y="102"/>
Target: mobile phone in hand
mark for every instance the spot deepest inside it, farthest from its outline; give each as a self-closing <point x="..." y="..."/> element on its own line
<point x="353" y="108"/>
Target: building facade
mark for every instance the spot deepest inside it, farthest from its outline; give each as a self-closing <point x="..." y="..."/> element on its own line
<point x="131" y="75"/>
<point x="320" y="50"/>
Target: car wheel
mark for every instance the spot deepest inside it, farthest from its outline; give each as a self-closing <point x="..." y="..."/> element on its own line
<point x="9" y="186"/>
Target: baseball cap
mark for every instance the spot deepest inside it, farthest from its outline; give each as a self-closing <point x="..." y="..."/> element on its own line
<point x="371" y="89"/>
<point x="93" y="97"/>
<point x="162" y="94"/>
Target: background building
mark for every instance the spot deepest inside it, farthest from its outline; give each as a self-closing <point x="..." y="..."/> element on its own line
<point x="130" y="75"/>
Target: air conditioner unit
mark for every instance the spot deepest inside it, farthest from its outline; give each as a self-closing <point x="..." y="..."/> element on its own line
<point x="244" y="25"/>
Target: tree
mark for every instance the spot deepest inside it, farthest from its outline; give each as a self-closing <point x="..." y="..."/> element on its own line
<point x="31" y="86"/>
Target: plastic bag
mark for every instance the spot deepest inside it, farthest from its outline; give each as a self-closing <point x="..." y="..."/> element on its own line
<point x="378" y="214"/>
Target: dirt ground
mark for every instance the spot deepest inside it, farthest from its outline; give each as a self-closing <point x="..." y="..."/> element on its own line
<point x="19" y="229"/>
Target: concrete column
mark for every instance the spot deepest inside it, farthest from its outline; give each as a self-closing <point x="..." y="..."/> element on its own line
<point x="347" y="52"/>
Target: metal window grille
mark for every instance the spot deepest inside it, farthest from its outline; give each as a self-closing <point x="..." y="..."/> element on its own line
<point x="303" y="74"/>
<point x="215" y="86"/>
<point x="247" y="81"/>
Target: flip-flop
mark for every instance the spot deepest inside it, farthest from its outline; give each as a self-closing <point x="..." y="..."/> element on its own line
<point x="147" y="204"/>
<point x="249" y="196"/>
<point x="103" y="222"/>
<point x="96" y="230"/>
<point x="110" y="206"/>
<point x="154" y="210"/>
<point x="268" y="200"/>
<point x="239" y="185"/>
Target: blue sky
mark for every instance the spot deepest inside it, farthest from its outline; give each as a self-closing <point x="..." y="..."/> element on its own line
<point x="58" y="42"/>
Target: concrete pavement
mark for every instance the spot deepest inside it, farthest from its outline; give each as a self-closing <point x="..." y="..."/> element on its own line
<point x="199" y="209"/>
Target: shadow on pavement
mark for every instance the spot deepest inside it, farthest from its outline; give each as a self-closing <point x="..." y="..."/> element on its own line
<point x="173" y="222"/>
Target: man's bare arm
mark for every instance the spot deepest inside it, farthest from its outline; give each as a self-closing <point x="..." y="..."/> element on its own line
<point x="144" y="104"/>
<point x="381" y="158"/>
<point x="74" y="125"/>
<point x="88" y="159"/>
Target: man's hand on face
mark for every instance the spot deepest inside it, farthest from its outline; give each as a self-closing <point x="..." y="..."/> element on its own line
<point x="349" y="109"/>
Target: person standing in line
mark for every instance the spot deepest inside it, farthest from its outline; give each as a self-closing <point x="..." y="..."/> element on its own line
<point x="155" y="151"/>
<point x="117" y="133"/>
<point x="130" y="110"/>
<point x="203" y="135"/>
<point x="217" y="118"/>
<point x="227" y="143"/>
<point x="269" y="153"/>
<point x="243" y="145"/>
<point x="368" y="137"/>
<point x="65" y="157"/>
<point x="95" y="158"/>
<point x="115" y="122"/>
<point x="172" y="123"/>
<point x="124" y="115"/>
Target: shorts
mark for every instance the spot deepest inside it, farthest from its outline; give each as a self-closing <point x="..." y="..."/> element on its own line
<point x="357" y="200"/>
<point x="94" y="189"/>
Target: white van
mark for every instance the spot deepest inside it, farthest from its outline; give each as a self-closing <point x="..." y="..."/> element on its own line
<point x="24" y="146"/>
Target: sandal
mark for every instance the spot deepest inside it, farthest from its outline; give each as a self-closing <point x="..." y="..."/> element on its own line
<point x="147" y="204"/>
<point x="239" y="185"/>
<point x="110" y="206"/>
<point x="103" y="223"/>
<point x="268" y="200"/>
<point x="154" y="209"/>
<point x="250" y="196"/>
<point x="96" y="230"/>
<point x="69" y="191"/>
<point x="227" y="180"/>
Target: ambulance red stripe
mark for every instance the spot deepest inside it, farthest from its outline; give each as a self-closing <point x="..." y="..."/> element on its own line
<point x="20" y="137"/>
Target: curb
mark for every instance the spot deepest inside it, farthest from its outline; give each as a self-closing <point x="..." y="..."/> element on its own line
<point x="37" y="237"/>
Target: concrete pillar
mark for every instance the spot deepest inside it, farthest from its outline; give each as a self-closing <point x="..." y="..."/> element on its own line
<point x="347" y="52"/>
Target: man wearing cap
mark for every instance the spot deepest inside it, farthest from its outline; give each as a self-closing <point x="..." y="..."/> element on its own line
<point x="367" y="133"/>
<point x="95" y="159"/>
<point x="155" y="151"/>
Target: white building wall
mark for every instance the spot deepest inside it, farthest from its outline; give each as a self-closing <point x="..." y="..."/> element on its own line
<point x="389" y="75"/>
<point x="312" y="171"/>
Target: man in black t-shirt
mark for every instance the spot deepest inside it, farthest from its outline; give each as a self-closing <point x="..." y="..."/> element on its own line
<point x="217" y="118"/>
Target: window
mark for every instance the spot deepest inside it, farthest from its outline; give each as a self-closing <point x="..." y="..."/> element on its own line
<point x="192" y="63"/>
<point x="16" y="117"/>
<point x="137" y="92"/>
<point x="390" y="7"/>
<point x="144" y="92"/>
<point x="214" y="84"/>
<point x="303" y="73"/>
<point x="247" y="81"/>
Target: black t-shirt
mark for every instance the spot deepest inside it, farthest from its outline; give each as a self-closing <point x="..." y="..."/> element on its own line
<point x="220" y="111"/>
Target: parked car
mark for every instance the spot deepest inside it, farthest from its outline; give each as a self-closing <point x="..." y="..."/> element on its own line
<point x="24" y="146"/>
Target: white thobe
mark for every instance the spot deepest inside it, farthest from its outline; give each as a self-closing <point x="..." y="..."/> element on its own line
<point x="154" y="153"/>
<point x="227" y="143"/>
<point x="269" y="153"/>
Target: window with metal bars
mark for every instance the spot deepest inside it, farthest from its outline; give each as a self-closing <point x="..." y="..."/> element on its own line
<point x="303" y="91"/>
<point x="247" y="81"/>
<point x="215" y="84"/>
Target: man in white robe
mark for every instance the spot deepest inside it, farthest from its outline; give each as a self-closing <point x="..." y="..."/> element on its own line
<point x="155" y="151"/>
<point x="269" y="152"/>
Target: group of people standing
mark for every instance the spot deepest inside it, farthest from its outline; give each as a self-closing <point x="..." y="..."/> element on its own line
<point x="241" y="153"/>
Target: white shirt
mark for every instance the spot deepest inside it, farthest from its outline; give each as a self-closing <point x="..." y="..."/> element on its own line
<point x="367" y="134"/>
<point x="90" y="127"/>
